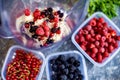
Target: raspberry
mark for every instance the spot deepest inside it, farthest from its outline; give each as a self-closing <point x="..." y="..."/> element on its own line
<point x="92" y="45"/>
<point x="88" y="37"/>
<point x="91" y="31"/>
<point x="103" y="38"/>
<point x="105" y="24"/>
<point x="93" y="55"/>
<point x="97" y="43"/>
<point x="94" y="50"/>
<point x="113" y="33"/>
<point x="81" y="39"/>
<point x="85" y="32"/>
<point x="116" y="45"/>
<point x="99" y="25"/>
<point x="110" y="48"/>
<point x="92" y="22"/>
<point x="101" y="20"/>
<point x="118" y="38"/>
<point x="46" y="28"/>
<point x="58" y="31"/>
<point x="106" y="44"/>
<point x="99" y="57"/>
<point x="56" y="20"/>
<point x="92" y="40"/>
<point x="27" y="12"/>
<point x="47" y="33"/>
<point x="83" y="47"/>
<point x="97" y="37"/>
<point x="84" y="42"/>
<point x="106" y="54"/>
<point x="101" y="50"/>
<point x="36" y="13"/>
<point x="102" y="44"/>
<point x="40" y="31"/>
<point x="88" y="27"/>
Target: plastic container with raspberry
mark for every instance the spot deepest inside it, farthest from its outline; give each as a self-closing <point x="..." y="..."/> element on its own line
<point x="98" y="39"/>
<point x="66" y="66"/>
<point x="22" y="63"/>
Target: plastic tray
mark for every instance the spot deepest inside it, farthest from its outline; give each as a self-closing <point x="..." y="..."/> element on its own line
<point x="10" y="55"/>
<point x="113" y="26"/>
<point x="76" y="54"/>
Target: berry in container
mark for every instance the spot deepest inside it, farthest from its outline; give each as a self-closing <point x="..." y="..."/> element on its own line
<point x="97" y="38"/>
<point x="21" y="63"/>
<point x="66" y="65"/>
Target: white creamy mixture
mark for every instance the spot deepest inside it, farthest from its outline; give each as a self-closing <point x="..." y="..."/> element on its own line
<point x="65" y="29"/>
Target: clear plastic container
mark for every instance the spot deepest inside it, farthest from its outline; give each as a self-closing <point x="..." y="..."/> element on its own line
<point x="11" y="54"/>
<point x="76" y="11"/>
<point x="113" y="26"/>
<point x="76" y="54"/>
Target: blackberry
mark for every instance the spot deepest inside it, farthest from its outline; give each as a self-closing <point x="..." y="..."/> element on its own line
<point x="71" y="60"/>
<point x="76" y="63"/>
<point x="50" y="9"/>
<point x="31" y="23"/>
<point x="70" y="76"/>
<point x="49" y="41"/>
<point x="65" y="71"/>
<point x="61" y="58"/>
<point x="51" y="17"/>
<point x="53" y="30"/>
<point x="61" y="67"/>
<point x="61" y="15"/>
<point x="35" y="36"/>
<point x="63" y="77"/>
<point x="33" y="28"/>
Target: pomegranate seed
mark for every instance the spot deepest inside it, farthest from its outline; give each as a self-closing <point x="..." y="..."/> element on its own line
<point x="40" y="31"/>
<point x="27" y="12"/>
<point x="52" y="34"/>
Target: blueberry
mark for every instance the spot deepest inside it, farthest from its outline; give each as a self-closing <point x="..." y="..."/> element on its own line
<point x="80" y="77"/>
<point x="77" y="71"/>
<point x="59" y="12"/>
<point x="63" y="77"/>
<point x="77" y="63"/>
<point x="50" y="9"/>
<point x="71" y="60"/>
<point x="66" y="64"/>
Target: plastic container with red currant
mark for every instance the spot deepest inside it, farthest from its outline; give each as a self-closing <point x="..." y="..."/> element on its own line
<point x="22" y="63"/>
<point x="67" y="65"/>
<point x="97" y="38"/>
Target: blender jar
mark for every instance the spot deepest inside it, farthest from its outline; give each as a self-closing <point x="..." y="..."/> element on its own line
<point x="11" y="9"/>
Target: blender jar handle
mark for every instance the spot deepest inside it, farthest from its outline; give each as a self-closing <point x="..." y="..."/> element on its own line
<point x="5" y="32"/>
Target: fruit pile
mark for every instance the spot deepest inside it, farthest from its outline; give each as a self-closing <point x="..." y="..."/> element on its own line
<point x="97" y="39"/>
<point x="65" y="68"/>
<point x="25" y="66"/>
<point x="48" y="20"/>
